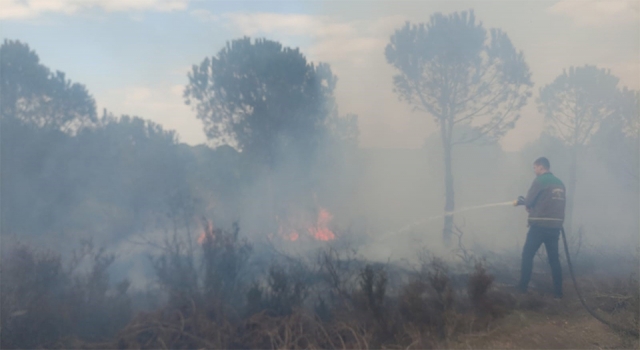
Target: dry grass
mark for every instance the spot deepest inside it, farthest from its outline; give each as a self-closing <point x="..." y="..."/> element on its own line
<point x="340" y="302"/>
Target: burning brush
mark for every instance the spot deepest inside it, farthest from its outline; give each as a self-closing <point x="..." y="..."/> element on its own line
<point x="317" y="228"/>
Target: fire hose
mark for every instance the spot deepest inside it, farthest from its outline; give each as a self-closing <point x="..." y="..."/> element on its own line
<point x="613" y="326"/>
<point x="633" y="332"/>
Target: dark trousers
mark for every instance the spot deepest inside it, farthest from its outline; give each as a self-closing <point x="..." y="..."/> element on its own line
<point x="535" y="238"/>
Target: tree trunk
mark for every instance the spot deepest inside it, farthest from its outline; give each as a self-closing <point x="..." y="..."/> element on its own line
<point x="448" y="186"/>
<point x="571" y="190"/>
<point x="273" y="209"/>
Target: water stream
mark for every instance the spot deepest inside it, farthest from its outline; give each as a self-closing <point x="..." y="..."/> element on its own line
<point x="424" y="221"/>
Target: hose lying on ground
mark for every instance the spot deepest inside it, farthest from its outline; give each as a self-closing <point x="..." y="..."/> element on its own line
<point x="613" y="326"/>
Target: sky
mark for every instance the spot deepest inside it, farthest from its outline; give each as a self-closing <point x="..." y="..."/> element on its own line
<point x="134" y="56"/>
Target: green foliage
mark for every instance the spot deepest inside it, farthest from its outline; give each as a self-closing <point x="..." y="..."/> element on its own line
<point x="263" y="97"/>
<point x="34" y="95"/>
<point x="113" y="179"/>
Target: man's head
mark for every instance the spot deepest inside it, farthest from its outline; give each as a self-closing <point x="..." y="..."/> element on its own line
<point x="541" y="166"/>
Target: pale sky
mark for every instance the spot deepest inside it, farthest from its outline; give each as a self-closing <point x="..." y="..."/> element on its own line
<point x="133" y="56"/>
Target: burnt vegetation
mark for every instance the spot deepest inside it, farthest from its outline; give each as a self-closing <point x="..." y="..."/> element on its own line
<point x="213" y="297"/>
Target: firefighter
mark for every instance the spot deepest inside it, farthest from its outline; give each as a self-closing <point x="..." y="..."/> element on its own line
<point x="545" y="203"/>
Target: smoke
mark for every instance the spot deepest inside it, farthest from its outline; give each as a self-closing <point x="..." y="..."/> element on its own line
<point x="130" y="189"/>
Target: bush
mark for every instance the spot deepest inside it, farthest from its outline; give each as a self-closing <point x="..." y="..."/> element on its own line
<point x="286" y="290"/>
<point x="478" y="286"/>
<point x="211" y="280"/>
<point x="354" y="303"/>
<point x="43" y="302"/>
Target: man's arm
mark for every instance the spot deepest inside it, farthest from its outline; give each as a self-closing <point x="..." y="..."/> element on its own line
<point x="532" y="195"/>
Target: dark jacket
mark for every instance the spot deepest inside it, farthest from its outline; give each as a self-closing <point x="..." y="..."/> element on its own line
<point x="546" y="201"/>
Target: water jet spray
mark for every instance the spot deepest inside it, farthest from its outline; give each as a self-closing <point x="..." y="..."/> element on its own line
<point x="450" y="213"/>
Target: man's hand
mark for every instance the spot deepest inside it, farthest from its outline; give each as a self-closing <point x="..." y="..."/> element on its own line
<point x="519" y="201"/>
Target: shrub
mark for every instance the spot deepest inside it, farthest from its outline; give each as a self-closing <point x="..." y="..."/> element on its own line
<point x="43" y="302"/>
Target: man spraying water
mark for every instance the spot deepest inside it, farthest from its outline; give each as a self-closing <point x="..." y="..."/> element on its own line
<point x="545" y="203"/>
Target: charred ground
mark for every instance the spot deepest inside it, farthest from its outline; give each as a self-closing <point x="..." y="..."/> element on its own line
<point x="228" y="293"/>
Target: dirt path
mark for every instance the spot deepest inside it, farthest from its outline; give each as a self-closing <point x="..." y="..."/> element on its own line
<point x="553" y="325"/>
<point x="531" y="330"/>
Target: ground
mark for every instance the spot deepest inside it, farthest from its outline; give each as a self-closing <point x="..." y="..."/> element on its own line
<point x="549" y="324"/>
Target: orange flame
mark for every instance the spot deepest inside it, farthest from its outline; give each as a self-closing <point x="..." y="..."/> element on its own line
<point x="207" y="233"/>
<point x="321" y="231"/>
<point x="286" y="231"/>
<point x="292" y="235"/>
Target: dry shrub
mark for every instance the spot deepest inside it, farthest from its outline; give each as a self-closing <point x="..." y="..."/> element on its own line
<point x="167" y="329"/>
<point x="427" y="306"/>
<point x="225" y="256"/>
<point x="301" y="330"/>
<point x="286" y="289"/>
<point x="477" y="288"/>
<point x="440" y="282"/>
<point x="355" y="306"/>
<point x="294" y="331"/>
<point x="371" y="294"/>
<point x="32" y="290"/>
<point x="298" y="330"/>
<point x="434" y="311"/>
<point x="43" y="302"/>
<point x="212" y="280"/>
<point x="351" y="299"/>
<point x="619" y="298"/>
<point x="416" y="338"/>
<point x="415" y="302"/>
<point x="339" y="274"/>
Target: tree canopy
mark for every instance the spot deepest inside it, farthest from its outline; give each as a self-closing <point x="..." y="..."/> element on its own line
<point x="263" y="98"/>
<point x="460" y="74"/>
<point x="577" y="102"/>
<point x="33" y="94"/>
